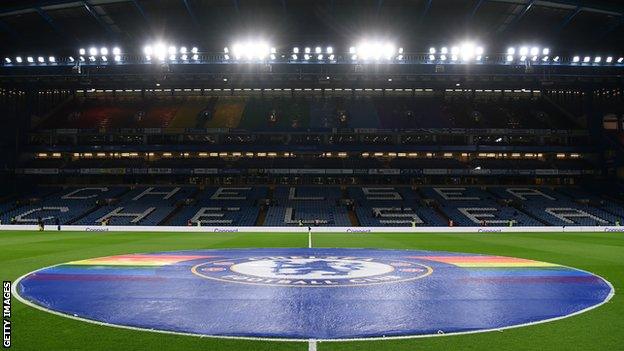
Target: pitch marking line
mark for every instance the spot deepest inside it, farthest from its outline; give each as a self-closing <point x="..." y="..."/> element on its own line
<point x="312" y="345"/>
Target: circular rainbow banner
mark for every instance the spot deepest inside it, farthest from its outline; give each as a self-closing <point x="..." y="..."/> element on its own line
<point x="321" y="294"/>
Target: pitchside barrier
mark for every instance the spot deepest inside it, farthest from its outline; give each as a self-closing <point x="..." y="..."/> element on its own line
<point x="86" y="228"/>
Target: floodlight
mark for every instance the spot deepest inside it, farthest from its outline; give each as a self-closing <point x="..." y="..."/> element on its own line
<point x="160" y="51"/>
<point x="620" y="59"/>
<point x="294" y="56"/>
<point x="195" y="57"/>
<point x="148" y="50"/>
<point x="104" y="58"/>
<point x="442" y="57"/>
<point x="467" y="51"/>
<point x="194" y="50"/>
<point x="524" y="51"/>
<point x="479" y="51"/>
<point x="556" y="58"/>
<point x="273" y="50"/>
<point x="388" y="51"/>
<point x="545" y="58"/>
<point x="93" y="51"/>
<point x="400" y="57"/>
<point x="354" y="57"/>
<point x="18" y="59"/>
<point x="331" y="57"/>
<point x="534" y="58"/>
<point x="535" y="51"/>
<point x="576" y="59"/>
<point x="40" y="59"/>
<point x="318" y="50"/>
<point x="400" y="50"/>
<point x="183" y="50"/>
<point x="509" y="58"/>
<point x="545" y="51"/>
<point x="307" y="50"/>
<point x="272" y="57"/>
<point x="432" y="50"/>
<point x="82" y="59"/>
<point x="82" y="51"/>
<point x="444" y="50"/>
<point x="453" y="57"/>
<point x="7" y="60"/>
<point x="597" y="59"/>
<point x="185" y="57"/>
<point x="237" y="49"/>
<point x="306" y="57"/>
<point x="147" y="57"/>
<point x="92" y="58"/>
<point x="523" y="58"/>
<point x="352" y="50"/>
<point x="319" y="57"/>
<point x="609" y="59"/>
<point x="172" y="50"/>
<point x="116" y="51"/>
<point x="431" y="57"/>
<point x="117" y="58"/>
<point x="51" y="59"/>
<point x="172" y="57"/>
<point x="586" y="59"/>
<point x="30" y="59"/>
<point x="295" y="50"/>
<point x="71" y="59"/>
<point x="511" y="51"/>
<point x="103" y="51"/>
<point x="329" y="50"/>
<point x="455" y="50"/>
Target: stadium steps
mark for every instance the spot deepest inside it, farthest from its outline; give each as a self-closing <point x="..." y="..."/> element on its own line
<point x="521" y="209"/>
<point x="518" y="206"/>
<point x="172" y="214"/>
<point x="261" y="217"/>
<point x="353" y="218"/>
<point x="435" y="205"/>
<point x="263" y="211"/>
<point x="179" y="206"/>
<point x="90" y="211"/>
<point x="97" y="207"/>
<point x="571" y="117"/>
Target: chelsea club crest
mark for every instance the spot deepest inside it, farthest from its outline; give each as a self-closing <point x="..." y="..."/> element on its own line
<point x="311" y="271"/>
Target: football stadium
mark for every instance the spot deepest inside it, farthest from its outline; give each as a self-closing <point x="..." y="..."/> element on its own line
<point x="312" y="175"/>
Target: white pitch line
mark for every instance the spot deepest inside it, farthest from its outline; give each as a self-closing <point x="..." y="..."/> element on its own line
<point x="312" y="345"/>
<point x="310" y="245"/>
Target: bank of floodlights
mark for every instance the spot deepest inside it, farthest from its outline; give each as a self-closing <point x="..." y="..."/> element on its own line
<point x="365" y="52"/>
<point x="596" y="60"/>
<point x="525" y="54"/>
<point x="97" y="55"/>
<point x="310" y="54"/>
<point x="375" y="51"/>
<point x="465" y="52"/>
<point x="166" y="52"/>
<point x="252" y="50"/>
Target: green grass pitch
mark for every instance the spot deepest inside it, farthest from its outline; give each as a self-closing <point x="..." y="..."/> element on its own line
<point x="598" y="329"/>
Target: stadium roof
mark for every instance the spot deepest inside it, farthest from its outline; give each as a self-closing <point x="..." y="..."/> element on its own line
<point x="61" y="26"/>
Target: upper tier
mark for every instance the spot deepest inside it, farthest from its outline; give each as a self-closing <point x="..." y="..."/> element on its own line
<point x="302" y="113"/>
